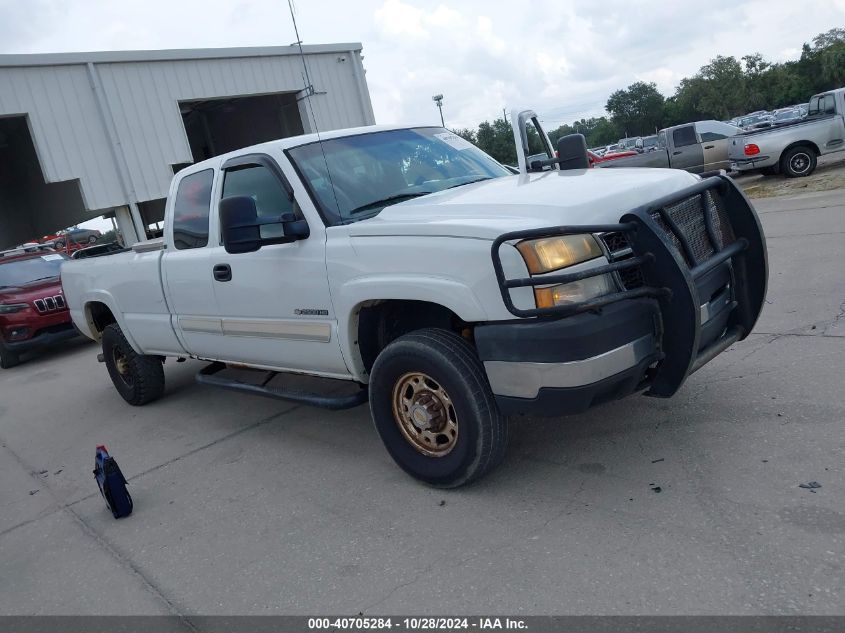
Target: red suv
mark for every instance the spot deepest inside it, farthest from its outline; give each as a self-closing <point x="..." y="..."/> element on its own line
<point x="33" y="312"/>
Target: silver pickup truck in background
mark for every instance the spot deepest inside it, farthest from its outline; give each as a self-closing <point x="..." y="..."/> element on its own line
<point x="794" y="148"/>
<point x="696" y="147"/>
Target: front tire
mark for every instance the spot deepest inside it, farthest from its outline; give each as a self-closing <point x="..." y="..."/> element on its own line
<point x="434" y="411"/>
<point x="798" y="162"/>
<point x="8" y="358"/>
<point x="138" y="379"/>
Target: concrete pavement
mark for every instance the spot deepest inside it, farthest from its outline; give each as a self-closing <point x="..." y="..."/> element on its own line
<point x="253" y="506"/>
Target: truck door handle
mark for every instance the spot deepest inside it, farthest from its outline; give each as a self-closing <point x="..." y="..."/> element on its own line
<point x="222" y="272"/>
<point x="709" y="146"/>
<point x="675" y="153"/>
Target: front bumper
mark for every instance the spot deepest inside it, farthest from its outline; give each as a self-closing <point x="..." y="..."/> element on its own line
<point x="44" y="338"/>
<point x="757" y="162"/>
<point x="702" y="285"/>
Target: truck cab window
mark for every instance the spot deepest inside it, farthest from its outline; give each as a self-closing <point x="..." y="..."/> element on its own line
<point x="829" y="105"/>
<point x="191" y="209"/>
<point x="661" y="139"/>
<point x="260" y="184"/>
<point x="684" y="136"/>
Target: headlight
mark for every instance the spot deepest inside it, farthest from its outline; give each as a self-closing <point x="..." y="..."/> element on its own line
<point x="574" y="292"/>
<point x="552" y="253"/>
<point x="11" y="308"/>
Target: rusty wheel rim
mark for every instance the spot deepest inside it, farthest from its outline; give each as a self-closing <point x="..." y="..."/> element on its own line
<point x="121" y="363"/>
<point x="425" y="414"/>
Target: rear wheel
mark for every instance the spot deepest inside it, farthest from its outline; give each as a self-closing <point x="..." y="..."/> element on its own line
<point x="138" y="379"/>
<point x="798" y="162"/>
<point x="8" y="358"/>
<point x="433" y="408"/>
<point x="92" y="239"/>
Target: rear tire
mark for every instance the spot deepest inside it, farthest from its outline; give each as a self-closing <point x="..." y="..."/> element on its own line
<point x="138" y="379"/>
<point x="434" y="411"/>
<point x="92" y="239"/>
<point x="798" y="162"/>
<point x="8" y="358"/>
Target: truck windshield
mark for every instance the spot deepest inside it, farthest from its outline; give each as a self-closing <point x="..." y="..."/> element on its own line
<point x="355" y="177"/>
<point x="20" y="272"/>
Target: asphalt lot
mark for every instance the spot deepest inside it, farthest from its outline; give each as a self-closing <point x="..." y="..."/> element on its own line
<point x="252" y="506"/>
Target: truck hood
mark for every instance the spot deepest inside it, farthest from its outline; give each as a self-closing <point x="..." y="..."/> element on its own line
<point x="487" y="209"/>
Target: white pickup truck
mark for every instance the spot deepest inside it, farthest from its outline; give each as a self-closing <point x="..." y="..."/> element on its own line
<point x="444" y="289"/>
<point x="793" y="148"/>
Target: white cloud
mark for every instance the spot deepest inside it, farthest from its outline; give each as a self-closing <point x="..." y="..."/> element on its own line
<point x="561" y="58"/>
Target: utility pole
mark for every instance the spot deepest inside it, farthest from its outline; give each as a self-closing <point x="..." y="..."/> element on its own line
<point x="438" y="99"/>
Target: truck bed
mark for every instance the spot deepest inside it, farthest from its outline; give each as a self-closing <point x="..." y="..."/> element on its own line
<point x="129" y="283"/>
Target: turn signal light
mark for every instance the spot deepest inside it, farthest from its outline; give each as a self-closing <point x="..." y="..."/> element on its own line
<point x="751" y="149"/>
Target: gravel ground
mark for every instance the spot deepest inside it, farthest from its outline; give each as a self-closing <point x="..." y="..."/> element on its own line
<point x="829" y="175"/>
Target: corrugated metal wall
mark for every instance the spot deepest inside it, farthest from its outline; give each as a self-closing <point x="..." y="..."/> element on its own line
<point x="66" y="128"/>
<point x="142" y="97"/>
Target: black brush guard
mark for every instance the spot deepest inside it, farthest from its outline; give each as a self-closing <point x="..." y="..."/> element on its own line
<point x="670" y="276"/>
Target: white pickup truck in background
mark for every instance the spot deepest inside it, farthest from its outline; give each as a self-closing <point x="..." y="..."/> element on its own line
<point x="793" y="148"/>
<point x="444" y="289"/>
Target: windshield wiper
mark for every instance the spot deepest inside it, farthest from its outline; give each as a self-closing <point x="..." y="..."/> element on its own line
<point x="469" y="182"/>
<point x="399" y="197"/>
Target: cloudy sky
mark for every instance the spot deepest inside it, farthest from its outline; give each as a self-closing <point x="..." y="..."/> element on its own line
<point x="560" y="57"/>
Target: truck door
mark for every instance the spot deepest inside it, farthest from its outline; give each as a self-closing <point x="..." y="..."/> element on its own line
<point x="530" y="139"/>
<point x="185" y="263"/>
<point x="715" y="139"/>
<point x="273" y="304"/>
<point x="685" y="151"/>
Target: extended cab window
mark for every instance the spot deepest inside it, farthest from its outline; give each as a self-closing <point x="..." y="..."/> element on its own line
<point x="260" y="184"/>
<point x="715" y="130"/>
<point x="829" y="105"/>
<point x="684" y="136"/>
<point x="191" y="209"/>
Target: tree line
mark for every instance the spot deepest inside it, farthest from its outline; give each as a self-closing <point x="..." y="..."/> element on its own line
<point x="724" y="88"/>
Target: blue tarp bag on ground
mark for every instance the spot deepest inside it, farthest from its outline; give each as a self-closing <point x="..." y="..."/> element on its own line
<point x="112" y="484"/>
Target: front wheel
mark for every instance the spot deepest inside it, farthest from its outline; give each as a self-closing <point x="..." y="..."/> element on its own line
<point x="434" y="411"/>
<point x="138" y="379"/>
<point x="798" y="162"/>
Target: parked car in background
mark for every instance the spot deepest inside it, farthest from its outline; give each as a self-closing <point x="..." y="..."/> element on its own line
<point x="756" y="121"/>
<point x="612" y="148"/>
<point x="631" y="143"/>
<point x="696" y="147"/>
<point x="785" y="115"/>
<point x="595" y="159"/>
<point x="649" y="143"/>
<point x="33" y="312"/>
<point x="81" y="236"/>
<point x="793" y="149"/>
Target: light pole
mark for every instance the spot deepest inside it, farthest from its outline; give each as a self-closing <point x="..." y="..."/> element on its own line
<point x="438" y="99"/>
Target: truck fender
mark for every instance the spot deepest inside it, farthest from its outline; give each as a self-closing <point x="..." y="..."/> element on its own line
<point x="85" y="324"/>
<point x="352" y="295"/>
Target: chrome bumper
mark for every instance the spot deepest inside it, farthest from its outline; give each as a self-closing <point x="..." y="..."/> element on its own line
<point x="525" y="379"/>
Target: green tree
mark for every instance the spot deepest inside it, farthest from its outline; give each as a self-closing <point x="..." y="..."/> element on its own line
<point x="637" y="110"/>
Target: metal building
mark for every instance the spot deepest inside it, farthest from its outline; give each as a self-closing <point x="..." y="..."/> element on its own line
<point x="83" y="134"/>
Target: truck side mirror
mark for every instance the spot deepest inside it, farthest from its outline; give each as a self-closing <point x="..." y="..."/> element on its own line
<point x="572" y="152"/>
<point x="244" y="232"/>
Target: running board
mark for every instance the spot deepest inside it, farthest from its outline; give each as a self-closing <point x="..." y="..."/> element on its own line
<point x="208" y="376"/>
